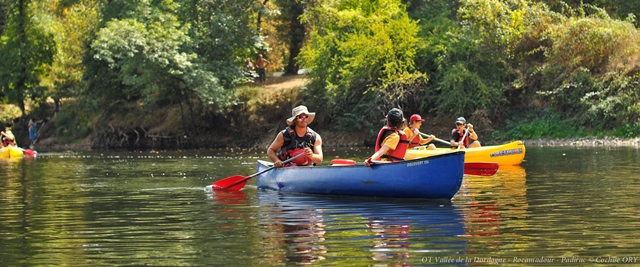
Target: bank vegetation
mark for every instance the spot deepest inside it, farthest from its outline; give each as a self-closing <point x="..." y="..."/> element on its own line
<point x="170" y="74"/>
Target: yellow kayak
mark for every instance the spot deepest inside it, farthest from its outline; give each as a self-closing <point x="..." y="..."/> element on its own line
<point x="506" y="155"/>
<point x="11" y="152"/>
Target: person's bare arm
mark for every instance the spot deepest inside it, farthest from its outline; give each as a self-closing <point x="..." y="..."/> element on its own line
<point x="273" y="150"/>
<point x="377" y="155"/>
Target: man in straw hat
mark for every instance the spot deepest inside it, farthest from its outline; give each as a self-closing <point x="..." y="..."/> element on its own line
<point x="392" y="142"/>
<point x="297" y="138"/>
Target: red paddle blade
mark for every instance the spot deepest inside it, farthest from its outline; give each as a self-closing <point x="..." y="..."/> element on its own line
<point x="235" y="182"/>
<point x="342" y="162"/>
<point x="481" y="168"/>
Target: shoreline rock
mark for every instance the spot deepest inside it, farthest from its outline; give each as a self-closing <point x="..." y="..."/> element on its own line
<point x="585" y="141"/>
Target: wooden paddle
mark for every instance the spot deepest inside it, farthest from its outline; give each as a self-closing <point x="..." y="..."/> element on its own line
<point x="237" y="182"/>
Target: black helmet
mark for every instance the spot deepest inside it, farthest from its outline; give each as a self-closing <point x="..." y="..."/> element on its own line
<point x="395" y="116"/>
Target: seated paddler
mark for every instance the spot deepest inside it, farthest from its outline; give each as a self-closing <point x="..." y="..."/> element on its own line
<point x="295" y="139"/>
<point x="8" y="139"/>
<point x="392" y="141"/>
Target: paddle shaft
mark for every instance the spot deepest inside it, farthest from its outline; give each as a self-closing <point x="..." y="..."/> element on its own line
<point x="435" y="138"/>
<point x="466" y="131"/>
<point x="260" y="172"/>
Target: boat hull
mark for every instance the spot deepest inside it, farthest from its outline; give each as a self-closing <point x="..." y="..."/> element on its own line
<point x="11" y="152"/>
<point x="437" y="177"/>
<point x="509" y="154"/>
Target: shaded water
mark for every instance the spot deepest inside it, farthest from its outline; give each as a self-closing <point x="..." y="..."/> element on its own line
<point x="568" y="205"/>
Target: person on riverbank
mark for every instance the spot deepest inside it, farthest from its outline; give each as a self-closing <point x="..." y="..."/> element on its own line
<point x="392" y="142"/>
<point x="413" y="132"/>
<point x="250" y="72"/>
<point x="33" y="130"/>
<point x="471" y="139"/>
<point x="295" y="139"/>
<point x="261" y="68"/>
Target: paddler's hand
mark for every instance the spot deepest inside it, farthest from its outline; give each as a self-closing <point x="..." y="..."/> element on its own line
<point x="278" y="164"/>
<point x="430" y="138"/>
<point x="308" y="152"/>
<point x="368" y="162"/>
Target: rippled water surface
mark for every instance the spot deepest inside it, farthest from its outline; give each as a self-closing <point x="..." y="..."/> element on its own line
<point x="562" y="206"/>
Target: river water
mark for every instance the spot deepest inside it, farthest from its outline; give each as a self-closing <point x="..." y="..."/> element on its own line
<point x="563" y="206"/>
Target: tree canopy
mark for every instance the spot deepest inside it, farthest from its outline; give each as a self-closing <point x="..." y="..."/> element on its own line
<point x="494" y="61"/>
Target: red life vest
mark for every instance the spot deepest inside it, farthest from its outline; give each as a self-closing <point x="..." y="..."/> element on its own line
<point x="465" y="143"/>
<point x="397" y="154"/>
<point x="294" y="145"/>
<point x="7" y="141"/>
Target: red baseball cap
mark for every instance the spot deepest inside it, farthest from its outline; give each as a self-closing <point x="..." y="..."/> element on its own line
<point x="415" y="117"/>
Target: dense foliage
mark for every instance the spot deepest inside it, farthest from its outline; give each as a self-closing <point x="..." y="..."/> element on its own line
<point x="519" y="69"/>
<point x="361" y="53"/>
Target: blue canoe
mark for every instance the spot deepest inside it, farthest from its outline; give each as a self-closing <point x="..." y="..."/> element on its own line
<point x="434" y="177"/>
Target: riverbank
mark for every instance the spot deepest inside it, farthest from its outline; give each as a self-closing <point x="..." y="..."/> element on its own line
<point x="161" y="130"/>
<point x="585" y="141"/>
<point x="349" y="140"/>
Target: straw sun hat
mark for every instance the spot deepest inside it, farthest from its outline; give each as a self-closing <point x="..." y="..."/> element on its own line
<point x="300" y="110"/>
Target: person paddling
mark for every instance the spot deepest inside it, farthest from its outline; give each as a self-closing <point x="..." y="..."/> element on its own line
<point x="8" y="139"/>
<point x="413" y="132"/>
<point x="457" y="134"/>
<point x="295" y="139"/>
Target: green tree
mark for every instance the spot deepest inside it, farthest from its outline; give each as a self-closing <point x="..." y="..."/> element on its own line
<point x="292" y="29"/>
<point x="26" y="50"/>
<point x="590" y="68"/>
<point x="162" y="51"/>
<point x="73" y="22"/>
<point x="359" y="53"/>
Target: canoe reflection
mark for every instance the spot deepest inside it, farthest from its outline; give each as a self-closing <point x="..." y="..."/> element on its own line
<point x="308" y="229"/>
<point x="487" y="200"/>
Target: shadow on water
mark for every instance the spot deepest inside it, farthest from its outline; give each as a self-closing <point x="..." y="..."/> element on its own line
<point x="358" y="231"/>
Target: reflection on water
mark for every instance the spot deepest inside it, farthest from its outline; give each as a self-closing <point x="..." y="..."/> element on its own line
<point x="131" y="209"/>
<point x="296" y="232"/>
<point x="390" y="235"/>
<point x="358" y="232"/>
<point x="491" y="204"/>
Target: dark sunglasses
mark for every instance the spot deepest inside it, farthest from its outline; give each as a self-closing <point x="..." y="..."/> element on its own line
<point x="459" y="124"/>
<point x="303" y="117"/>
